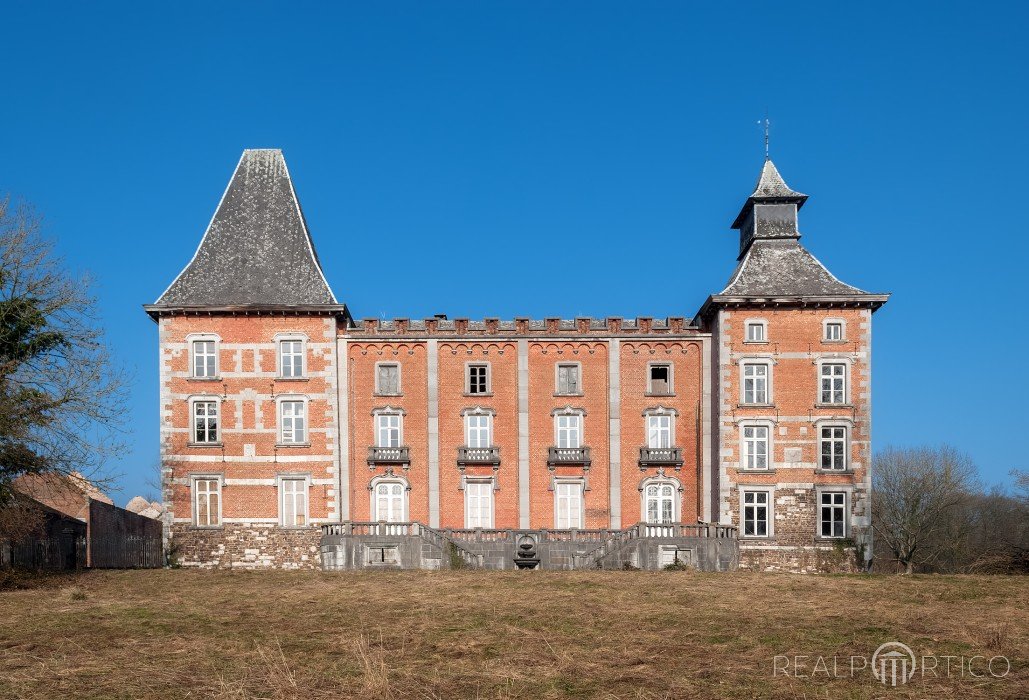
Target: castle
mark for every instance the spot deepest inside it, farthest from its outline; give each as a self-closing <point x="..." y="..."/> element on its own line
<point x="294" y="436"/>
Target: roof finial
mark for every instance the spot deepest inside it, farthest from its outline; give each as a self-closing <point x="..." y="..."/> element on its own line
<point x="764" y="122"/>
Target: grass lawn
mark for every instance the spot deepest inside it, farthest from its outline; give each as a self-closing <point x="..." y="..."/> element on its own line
<point x="460" y="634"/>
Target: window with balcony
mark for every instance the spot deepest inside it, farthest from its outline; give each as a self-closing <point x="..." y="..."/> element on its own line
<point x="479" y="430"/>
<point x="659" y="502"/>
<point x="569" y="431"/>
<point x="389" y="430"/>
<point x="389" y="502"/>
<point x="659" y="431"/>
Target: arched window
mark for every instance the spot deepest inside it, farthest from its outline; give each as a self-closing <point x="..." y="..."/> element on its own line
<point x="659" y="502"/>
<point x="389" y="501"/>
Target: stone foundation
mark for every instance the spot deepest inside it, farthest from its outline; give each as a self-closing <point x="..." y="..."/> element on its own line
<point x="245" y="546"/>
<point x="809" y="559"/>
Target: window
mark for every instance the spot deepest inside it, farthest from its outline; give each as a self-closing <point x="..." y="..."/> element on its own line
<point x="293" y="422"/>
<point x="568" y="379"/>
<point x="478" y="504"/>
<point x="659" y="431"/>
<point x="387" y="380"/>
<point x="293" y="502"/>
<point x="834" y="447"/>
<point x="569" y="430"/>
<point x="205" y="422"/>
<point x="478" y="379"/>
<point x="834" y="383"/>
<point x="390" y="502"/>
<point x="755" y="383"/>
<point x="207" y="506"/>
<point x="756" y="332"/>
<point x="833" y="507"/>
<point x="205" y="359"/>
<point x="833" y="330"/>
<point x="291" y="358"/>
<point x="568" y="506"/>
<point x="755" y="514"/>
<point x="478" y="430"/>
<point x="660" y="379"/>
<point x="659" y="503"/>
<point x="755" y="447"/>
<point x="388" y="430"/>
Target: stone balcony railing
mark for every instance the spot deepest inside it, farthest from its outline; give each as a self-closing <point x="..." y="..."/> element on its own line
<point x="660" y="457"/>
<point x="389" y="455"/>
<point x="568" y="455"/>
<point x="478" y="455"/>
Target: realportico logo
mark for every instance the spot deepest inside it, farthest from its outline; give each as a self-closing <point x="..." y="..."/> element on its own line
<point x="892" y="664"/>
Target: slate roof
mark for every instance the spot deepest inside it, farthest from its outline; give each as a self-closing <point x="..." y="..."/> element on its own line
<point x="770" y="187"/>
<point x="257" y="250"/>
<point x="784" y="268"/>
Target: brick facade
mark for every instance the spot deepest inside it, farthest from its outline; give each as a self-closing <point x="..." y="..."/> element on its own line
<point x="255" y="479"/>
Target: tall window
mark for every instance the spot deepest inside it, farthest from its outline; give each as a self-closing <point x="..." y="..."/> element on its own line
<point x="834" y="447"/>
<point x="291" y="358"/>
<point x="660" y="379"/>
<point x="755" y="513"/>
<point x="834" y="383"/>
<point x="389" y="501"/>
<point x="293" y="419"/>
<point x="387" y="430"/>
<point x="478" y="429"/>
<point x="833" y="507"/>
<point x="833" y="330"/>
<point x="659" y="431"/>
<point x="755" y="383"/>
<point x="478" y="504"/>
<point x="568" y="379"/>
<point x="387" y="380"/>
<point x="293" y="505"/>
<point x="756" y="332"/>
<point x="205" y="422"/>
<point x="205" y="359"/>
<point x="755" y="447"/>
<point x="569" y="431"/>
<point x="478" y="379"/>
<point x="568" y="512"/>
<point x="659" y="503"/>
<point x="207" y="507"/>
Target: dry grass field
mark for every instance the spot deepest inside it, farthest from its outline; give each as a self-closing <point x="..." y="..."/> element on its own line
<point x="188" y="634"/>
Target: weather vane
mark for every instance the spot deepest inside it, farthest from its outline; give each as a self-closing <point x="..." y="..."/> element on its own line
<point x="764" y="122"/>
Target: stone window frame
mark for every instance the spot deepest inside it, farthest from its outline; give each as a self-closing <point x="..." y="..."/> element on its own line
<point x="769" y="512"/>
<point x="848" y="493"/>
<point x="305" y="478"/>
<point x="204" y="398"/>
<point x="219" y="479"/>
<point x="400" y="378"/>
<point x="654" y="411"/>
<point x="387" y="411"/>
<point x="194" y="338"/>
<point x="389" y="478"/>
<point x="671" y="378"/>
<point x="848" y="364"/>
<point x="825" y="330"/>
<point x="848" y="427"/>
<point x="677" y="491"/>
<point x="281" y="338"/>
<point x="559" y="481"/>
<point x="557" y="375"/>
<point x="769" y="363"/>
<point x="762" y="323"/>
<point x="769" y="425"/>
<point x="478" y="411"/>
<point x="468" y="377"/>
<point x="570" y="411"/>
<point x="491" y="484"/>
<point x="292" y="398"/>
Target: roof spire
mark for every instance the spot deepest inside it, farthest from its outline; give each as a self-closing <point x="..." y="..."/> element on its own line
<point x="771" y="209"/>
<point x="767" y="124"/>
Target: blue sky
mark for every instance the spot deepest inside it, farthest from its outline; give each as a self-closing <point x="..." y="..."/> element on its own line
<point x="573" y="158"/>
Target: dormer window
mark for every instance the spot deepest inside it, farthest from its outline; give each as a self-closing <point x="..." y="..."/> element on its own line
<point x="757" y="332"/>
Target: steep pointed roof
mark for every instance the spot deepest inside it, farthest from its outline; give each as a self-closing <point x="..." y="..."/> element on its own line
<point x="784" y="268"/>
<point x="257" y="251"/>
<point x="770" y="187"/>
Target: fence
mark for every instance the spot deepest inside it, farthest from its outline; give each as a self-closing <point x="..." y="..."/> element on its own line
<point x="121" y="539"/>
<point x="61" y="552"/>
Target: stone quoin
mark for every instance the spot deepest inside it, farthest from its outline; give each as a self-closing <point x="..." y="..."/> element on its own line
<point x="294" y="436"/>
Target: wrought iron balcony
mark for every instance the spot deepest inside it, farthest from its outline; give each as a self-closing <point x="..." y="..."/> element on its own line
<point x="660" y="457"/>
<point x="389" y="455"/>
<point x="478" y="455"/>
<point x="568" y="455"/>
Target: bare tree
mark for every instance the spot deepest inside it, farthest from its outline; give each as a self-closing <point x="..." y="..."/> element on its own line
<point x="918" y="495"/>
<point x="61" y="397"/>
